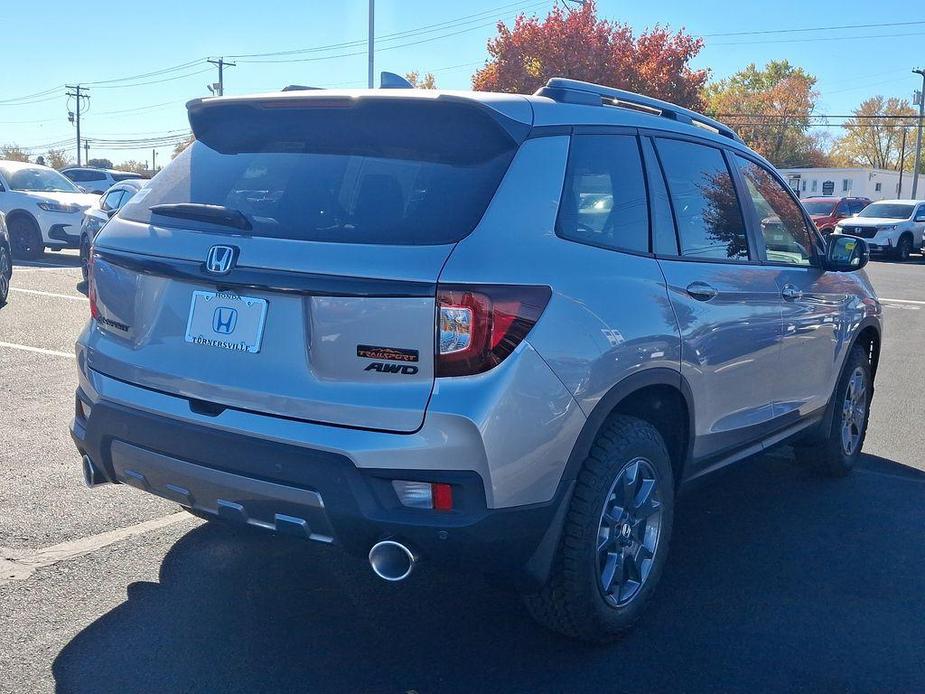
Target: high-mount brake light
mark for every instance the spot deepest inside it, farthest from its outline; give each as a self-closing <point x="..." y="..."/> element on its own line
<point x="478" y="326"/>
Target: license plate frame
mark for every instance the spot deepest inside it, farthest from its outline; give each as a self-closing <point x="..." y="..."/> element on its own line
<point x="226" y="320"/>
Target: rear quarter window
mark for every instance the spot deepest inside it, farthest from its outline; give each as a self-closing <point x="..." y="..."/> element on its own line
<point x="604" y="198"/>
<point x="387" y="172"/>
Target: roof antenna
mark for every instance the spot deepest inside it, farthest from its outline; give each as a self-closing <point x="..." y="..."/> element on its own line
<point x="389" y="80"/>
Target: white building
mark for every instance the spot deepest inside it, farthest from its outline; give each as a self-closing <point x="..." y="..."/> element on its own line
<point x="876" y="184"/>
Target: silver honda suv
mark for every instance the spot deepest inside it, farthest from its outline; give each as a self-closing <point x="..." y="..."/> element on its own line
<point x="493" y="331"/>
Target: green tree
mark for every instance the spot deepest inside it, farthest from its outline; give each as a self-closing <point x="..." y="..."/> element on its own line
<point x="13" y="152"/>
<point x="771" y="109"/>
<point x="135" y="166"/>
<point x="873" y="137"/>
<point x="419" y="81"/>
<point x="58" y="159"/>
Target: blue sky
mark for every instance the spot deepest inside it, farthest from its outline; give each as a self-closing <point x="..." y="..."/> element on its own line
<point x="63" y="42"/>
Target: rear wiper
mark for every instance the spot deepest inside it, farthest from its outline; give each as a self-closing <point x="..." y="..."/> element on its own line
<point x="213" y="214"/>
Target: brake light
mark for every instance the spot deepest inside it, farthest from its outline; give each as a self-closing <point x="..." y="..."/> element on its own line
<point x="479" y="326"/>
<point x="91" y="286"/>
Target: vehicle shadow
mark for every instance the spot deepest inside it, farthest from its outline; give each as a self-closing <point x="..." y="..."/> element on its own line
<point x="63" y="260"/>
<point x="778" y="580"/>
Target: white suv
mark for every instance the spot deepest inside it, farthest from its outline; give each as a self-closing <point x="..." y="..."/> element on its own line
<point x="891" y="227"/>
<point x="43" y="208"/>
<point x="95" y="180"/>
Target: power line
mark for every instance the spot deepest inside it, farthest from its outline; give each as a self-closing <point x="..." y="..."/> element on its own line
<point x="805" y="29"/>
<point x="387" y="48"/>
<point x="428" y="28"/>
<point x="816" y="39"/>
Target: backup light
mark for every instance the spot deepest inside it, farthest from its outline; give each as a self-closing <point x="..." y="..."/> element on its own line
<point x="428" y="495"/>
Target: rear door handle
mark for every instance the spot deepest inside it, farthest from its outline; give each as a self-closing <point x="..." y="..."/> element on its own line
<point x="701" y="291"/>
<point x="791" y="293"/>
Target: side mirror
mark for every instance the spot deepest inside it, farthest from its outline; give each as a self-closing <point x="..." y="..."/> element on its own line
<point x="846" y="253"/>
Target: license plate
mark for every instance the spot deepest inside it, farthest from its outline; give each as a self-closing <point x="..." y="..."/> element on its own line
<point x="226" y="320"/>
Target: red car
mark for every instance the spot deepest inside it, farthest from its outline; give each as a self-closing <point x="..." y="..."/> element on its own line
<point x="827" y="212"/>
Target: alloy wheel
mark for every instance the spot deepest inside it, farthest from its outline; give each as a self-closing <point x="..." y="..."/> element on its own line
<point x="854" y="412"/>
<point x="628" y="532"/>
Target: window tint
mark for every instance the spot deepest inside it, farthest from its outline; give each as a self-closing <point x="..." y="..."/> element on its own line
<point x="705" y="203"/>
<point x="855" y="206"/>
<point x="604" y="198"/>
<point x="404" y="172"/>
<point x="124" y="176"/>
<point x="787" y="238"/>
<point x="112" y="200"/>
<point x="664" y="237"/>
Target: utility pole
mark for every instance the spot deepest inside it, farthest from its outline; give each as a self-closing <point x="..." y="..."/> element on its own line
<point x="153" y="159"/>
<point x="87" y="151"/>
<point x="221" y="63"/>
<point x="371" y="44"/>
<point x="78" y="93"/>
<point x="902" y="164"/>
<point x="918" y="141"/>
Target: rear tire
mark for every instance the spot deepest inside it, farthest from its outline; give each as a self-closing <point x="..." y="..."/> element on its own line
<point x="25" y="239"/>
<point x="615" y="537"/>
<point x="838" y="453"/>
<point x="84" y="256"/>
<point x="6" y="271"/>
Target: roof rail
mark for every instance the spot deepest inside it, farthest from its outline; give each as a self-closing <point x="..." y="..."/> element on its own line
<point x="577" y="92"/>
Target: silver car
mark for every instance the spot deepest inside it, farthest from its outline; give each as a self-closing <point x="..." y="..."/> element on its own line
<point x="493" y="331"/>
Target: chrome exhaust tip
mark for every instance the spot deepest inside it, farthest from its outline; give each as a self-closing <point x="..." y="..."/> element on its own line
<point x="93" y="476"/>
<point x="391" y="560"/>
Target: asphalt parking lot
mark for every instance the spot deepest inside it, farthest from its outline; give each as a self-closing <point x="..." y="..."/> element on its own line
<point x="778" y="579"/>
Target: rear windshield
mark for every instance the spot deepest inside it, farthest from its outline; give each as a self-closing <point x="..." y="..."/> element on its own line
<point x="887" y="210"/>
<point x="819" y="206"/>
<point x="387" y="172"/>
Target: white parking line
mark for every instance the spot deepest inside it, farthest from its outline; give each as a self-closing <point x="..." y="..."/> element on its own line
<point x="38" y="350"/>
<point x="52" y="294"/>
<point x="903" y="301"/>
<point x="15" y="566"/>
<point x="35" y="264"/>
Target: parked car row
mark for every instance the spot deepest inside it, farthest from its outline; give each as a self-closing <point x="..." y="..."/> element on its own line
<point x="45" y="209"/>
<point x="893" y="228"/>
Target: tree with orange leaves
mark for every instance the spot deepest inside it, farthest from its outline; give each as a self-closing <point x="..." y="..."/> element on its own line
<point x="581" y="46"/>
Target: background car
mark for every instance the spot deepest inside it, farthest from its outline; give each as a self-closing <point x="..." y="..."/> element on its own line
<point x="42" y="208"/>
<point x="826" y="212"/>
<point x="97" y="216"/>
<point x="891" y="227"/>
<point x="6" y="261"/>
<point x="95" y="180"/>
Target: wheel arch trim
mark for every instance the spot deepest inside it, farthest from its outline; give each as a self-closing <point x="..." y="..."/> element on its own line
<point x="620" y="392"/>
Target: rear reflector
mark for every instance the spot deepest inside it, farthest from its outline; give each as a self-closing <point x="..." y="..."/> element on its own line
<point x="91" y="286"/>
<point x="479" y="326"/>
<point x="429" y="495"/>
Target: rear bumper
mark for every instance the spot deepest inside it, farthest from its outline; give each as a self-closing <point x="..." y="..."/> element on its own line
<point x="315" y="494"/>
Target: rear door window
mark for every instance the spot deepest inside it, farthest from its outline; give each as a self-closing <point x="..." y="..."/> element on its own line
<point x="604" y="197"/>
<point x="403" y="172"/>
<point x="706" y="207"/>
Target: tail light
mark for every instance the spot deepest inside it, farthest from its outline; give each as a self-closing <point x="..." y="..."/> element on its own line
<point x="479" y="326"/>
<point x="91" y="286"/>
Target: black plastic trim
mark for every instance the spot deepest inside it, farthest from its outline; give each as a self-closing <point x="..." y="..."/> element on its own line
<point x="263" y="279"/>
<point x="657" y="376"/>
<point x="514" y="543"/>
